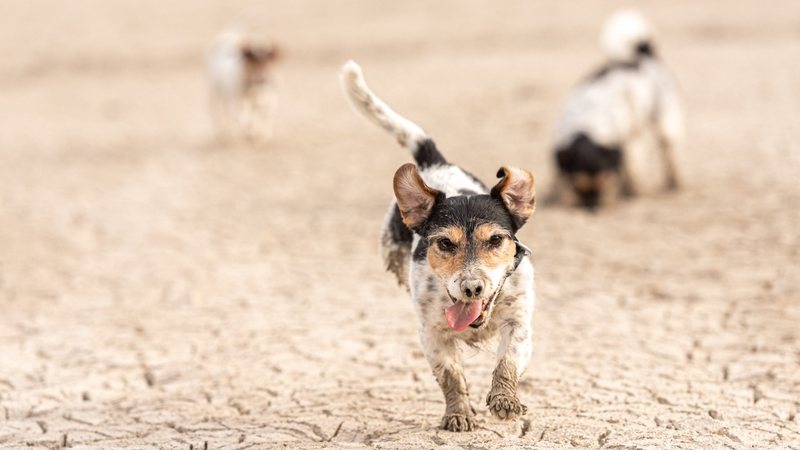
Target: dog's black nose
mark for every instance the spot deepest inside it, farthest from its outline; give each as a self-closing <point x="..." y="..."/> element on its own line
<point x="590" y="199"/>
<point x="472" y="288"/>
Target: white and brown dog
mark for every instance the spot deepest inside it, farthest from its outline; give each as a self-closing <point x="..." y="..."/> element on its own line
<point x="631" y="94"/>
<point x="241" y="71"/>
<point x="453" y="243"/>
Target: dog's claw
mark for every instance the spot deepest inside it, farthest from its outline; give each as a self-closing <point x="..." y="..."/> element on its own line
<point x="458" y="422"/>
<point x="505" y="407"/>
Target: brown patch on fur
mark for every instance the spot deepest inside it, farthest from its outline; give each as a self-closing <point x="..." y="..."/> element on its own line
<point x="259" y="54"/>
<point x="502" y="400"/>
<point x="396" y="257"/>
<point x="586" y="183"/>
<point x="414" y="198"/>
<point x="445" y="264"/>
<point x="490" y="257"/>
<point x="516" y="190"/>
<point x="257" y="61"/>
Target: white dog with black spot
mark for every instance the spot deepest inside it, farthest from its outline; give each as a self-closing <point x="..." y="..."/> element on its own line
<point x="630" y="96"/>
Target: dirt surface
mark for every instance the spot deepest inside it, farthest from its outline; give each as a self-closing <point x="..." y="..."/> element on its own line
<point x="159" y="290"/>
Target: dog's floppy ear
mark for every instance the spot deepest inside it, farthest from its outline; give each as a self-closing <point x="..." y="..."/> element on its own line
<point x="515" y="189"/>
<point x="274" y="53"/>
<point x="414" y="198"/>
<point x="250" y="53"/>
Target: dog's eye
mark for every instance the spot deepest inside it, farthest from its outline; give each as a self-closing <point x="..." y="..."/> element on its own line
<point x="445" y="245"/>
<point x="495" y="240"/>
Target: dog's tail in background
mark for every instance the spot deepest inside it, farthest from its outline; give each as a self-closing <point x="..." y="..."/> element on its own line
<point x="627" y="37"/>
<point x="407" y="133"/>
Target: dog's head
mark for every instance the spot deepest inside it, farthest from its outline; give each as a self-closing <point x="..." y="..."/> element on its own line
<point x="588" y="166"/>
<point x="257" y="55"/>
<point x="470" y="240"/>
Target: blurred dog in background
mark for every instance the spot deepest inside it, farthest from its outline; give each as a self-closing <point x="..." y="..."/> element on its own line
<point x="631" y="94"/>
<point x="241" y="70"/>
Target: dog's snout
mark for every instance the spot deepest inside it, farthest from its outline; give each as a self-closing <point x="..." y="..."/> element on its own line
<point x="590" y="199"/>
<point x="472" y="288"/>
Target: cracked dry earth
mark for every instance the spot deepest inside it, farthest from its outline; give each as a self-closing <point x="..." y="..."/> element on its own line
<point x="159" y="290"/>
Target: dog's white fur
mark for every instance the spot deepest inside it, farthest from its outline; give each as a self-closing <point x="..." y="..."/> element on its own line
<point x="616" y="108"/>
<point x="513" y="308"/>
<point x="407" y="133"/>
<point x="241" y="105"/>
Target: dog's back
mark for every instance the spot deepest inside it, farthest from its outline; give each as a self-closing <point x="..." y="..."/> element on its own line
<point x="629" y="91"/>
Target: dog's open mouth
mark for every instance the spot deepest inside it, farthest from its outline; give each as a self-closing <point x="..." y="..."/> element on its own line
<point x="473" y="314"/>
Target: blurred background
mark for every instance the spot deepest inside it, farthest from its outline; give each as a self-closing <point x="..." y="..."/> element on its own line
<point x="159" y="288"/>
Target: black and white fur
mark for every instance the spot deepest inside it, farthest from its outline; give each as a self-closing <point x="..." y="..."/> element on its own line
<point x="631" y="94"/>
<point x="463" y="200"/>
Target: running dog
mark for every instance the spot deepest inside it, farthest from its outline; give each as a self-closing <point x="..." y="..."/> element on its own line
<point x="631" y="94"/>
<point x="452" y="243"/>
<point x="241" y="71"/>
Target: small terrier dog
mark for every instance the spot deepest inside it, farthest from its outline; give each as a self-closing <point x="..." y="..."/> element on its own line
<point x="452" y="243"/>
<point x="632" y="93"/>
<point x="241" y="71"/>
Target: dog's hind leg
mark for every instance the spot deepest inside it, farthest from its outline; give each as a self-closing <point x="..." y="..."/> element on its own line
<point x="627" y="181"/>
<point x="666" y="146"/>
<point x="258" y="109"/>
<point x="268" y="106"/>
<point x="396" y="240"/>
<point x="669" y="127"/>
<point x="222" y="115"/>
<point x="672" y="181"/>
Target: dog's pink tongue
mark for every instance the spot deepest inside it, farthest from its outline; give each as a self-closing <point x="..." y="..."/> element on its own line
<point x="461" y="314"/>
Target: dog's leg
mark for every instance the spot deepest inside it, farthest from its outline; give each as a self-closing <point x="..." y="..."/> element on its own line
<point x="250" y="118"/>
<point x="221" y="114"/>
<point x="446" y="365"/>
<point x="513" y="355"/>
<point x="270" y="109"/>
<point x="627" y="182"/>
<point x="670" y="129"/>
<point x="262" y="104"/>
<point x="668" y="156"/>
<point x="396" y="240"/>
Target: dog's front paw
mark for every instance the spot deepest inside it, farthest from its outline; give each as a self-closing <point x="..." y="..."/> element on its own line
<point x="505" y="407"/>
<point x="458" y="422"/>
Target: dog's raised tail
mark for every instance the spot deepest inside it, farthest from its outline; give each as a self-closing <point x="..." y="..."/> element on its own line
<point x="627" y="36"/>
<point x="407" y="133"/>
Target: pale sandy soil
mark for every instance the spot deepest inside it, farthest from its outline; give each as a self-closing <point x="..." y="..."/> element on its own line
<point x="158" y="290"/>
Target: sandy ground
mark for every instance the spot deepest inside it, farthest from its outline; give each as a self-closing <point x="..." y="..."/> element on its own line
<point x="158" y="290"/>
